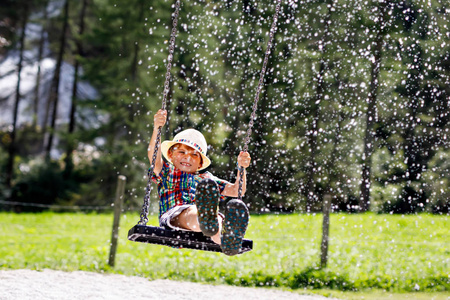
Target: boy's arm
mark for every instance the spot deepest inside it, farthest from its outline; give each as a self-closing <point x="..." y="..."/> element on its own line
<point x="232" y="189"/>
<point x="158" y="121"/>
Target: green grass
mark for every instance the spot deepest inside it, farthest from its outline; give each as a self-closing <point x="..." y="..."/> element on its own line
<point x="382" y="295"/>
<point x="384" y="252"/>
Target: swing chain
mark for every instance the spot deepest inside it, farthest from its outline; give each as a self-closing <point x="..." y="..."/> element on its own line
<point x="148" y="189"/>
<point x="171" y="50"/>
<point x="273" y="29"/>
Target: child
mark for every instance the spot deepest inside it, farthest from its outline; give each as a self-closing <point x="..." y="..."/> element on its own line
<point x="189" y="200"/>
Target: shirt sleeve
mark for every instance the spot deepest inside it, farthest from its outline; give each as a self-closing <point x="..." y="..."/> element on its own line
<point x="163" y="174"/>
<point x="222" y="183"/>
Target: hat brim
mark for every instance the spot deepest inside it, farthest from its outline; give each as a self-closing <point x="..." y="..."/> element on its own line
<point x="165" y="146"/>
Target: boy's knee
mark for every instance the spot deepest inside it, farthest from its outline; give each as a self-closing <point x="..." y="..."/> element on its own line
<point x="207" y="182"/>
<point x="191" y="210"/>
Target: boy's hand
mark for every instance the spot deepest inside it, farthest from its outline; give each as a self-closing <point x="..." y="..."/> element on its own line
<point x="159" y="120"/>
<point x="244" y="159"/>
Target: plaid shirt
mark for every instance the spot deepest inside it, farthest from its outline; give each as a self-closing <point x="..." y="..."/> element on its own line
<point x="176" y="187"/>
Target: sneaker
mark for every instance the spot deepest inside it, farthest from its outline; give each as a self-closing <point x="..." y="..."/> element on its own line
<point x="207" y="201"/>
<point x="234" y="226"/>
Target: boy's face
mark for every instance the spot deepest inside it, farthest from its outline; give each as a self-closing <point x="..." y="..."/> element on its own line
<point x="185" y="158"/>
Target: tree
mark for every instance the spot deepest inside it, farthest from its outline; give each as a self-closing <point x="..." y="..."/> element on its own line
<point x="72" y="119"/>
<point x="413" y="133"/>
<point x="380" y="26"/>
<point x="39" y="59"/>
<point x="54" y="88"/>
<point x="12" y="145"/>
<point x="316" y="102"/>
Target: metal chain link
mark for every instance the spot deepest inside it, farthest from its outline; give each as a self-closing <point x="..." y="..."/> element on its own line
<point x="258" y="91"/>
<point x="146" y="205"/>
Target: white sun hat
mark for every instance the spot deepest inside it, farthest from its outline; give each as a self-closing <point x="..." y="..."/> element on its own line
<point x="192" y="138"/>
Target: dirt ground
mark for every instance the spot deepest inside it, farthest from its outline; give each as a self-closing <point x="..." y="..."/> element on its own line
<point x="50" y="284"/>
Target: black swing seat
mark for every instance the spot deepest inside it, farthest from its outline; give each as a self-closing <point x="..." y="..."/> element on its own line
<point x="179" y="239"/>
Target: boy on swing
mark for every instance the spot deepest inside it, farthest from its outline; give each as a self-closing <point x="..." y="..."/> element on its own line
<point x="190" y="200"/>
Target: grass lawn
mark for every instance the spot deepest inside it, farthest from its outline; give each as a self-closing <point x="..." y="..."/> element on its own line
<point x="383" y="253"/>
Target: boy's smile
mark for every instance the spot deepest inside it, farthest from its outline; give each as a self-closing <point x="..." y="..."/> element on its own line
<point x="185" y="158"/>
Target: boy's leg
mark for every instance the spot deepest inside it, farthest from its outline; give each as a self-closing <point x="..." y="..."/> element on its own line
<point x="207" y="202"/>
<point x="188" y="220"/>
<point x="217" y="238"/>
<point x="234" y="226"/>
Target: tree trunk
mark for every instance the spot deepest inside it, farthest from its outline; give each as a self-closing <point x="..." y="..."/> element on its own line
<point x="331" y="165"/>
<point x="71" y="143"/>
<point x="311" y="166"/>
<point x="54" y="96"/>
<point x="263" y="165"/>
<point x="313" y="131"/>
<point x="233" y="143"/>
<point x="134" y="64"/>
<point x="12" y="145"/>
<point x="38" y="74"/>
<point x="364" y="199"/>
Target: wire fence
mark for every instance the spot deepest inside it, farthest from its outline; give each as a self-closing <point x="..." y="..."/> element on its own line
<point x="58" y="207"/>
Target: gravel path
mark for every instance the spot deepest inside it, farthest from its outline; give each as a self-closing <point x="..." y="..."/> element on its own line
<point x="50" y="284"/>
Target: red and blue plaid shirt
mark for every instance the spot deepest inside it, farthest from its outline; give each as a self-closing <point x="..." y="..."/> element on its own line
<point x="176" y="187"/>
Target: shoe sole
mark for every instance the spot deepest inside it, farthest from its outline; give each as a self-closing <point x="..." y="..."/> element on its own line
<point x="234" y="227"/>
<point x="207" y="200"/>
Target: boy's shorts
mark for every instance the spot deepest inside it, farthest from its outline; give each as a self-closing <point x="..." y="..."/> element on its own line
<point x="174" y="212"/>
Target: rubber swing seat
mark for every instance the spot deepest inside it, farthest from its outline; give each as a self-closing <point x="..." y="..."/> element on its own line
<point x="179" y="239"/>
